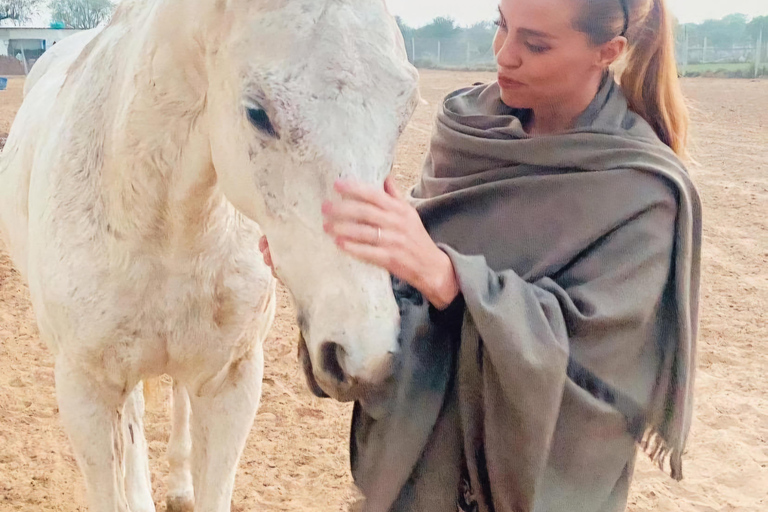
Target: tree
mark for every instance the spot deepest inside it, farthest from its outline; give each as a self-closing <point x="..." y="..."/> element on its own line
<point x="406" y="30"/>
<point x="758" y="23"/>
<point x="82" y="14"/>
<point x="482" y="32"/>
<point x="692" y="30"/>
<point x="439" y="28"/>
<point x="18" y="10"/>
<point x="725" y="32"/>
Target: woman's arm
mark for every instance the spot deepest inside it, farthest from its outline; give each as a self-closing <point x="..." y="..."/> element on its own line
<point x="606" y="311"/>
<point x="605" y="308"/>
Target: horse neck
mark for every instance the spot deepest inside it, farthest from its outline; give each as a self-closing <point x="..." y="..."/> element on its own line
<point x="158" y="179"/>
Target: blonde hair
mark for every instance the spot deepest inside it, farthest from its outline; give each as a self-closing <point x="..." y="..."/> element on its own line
<point x="649" y="72"/>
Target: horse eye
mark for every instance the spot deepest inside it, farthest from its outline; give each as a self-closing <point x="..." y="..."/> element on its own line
<point x="259" y="118"/>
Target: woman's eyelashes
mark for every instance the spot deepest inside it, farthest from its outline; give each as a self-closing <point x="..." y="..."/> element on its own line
<point x="533" y="48"/>
<point x="501" y="21"/>
<point x="537" y="48"/>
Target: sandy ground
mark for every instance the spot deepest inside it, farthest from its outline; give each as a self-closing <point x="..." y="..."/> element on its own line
<point x="296" y="457"/>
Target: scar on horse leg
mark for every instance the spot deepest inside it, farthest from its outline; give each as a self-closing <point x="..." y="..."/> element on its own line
<point x="138" y="481"/>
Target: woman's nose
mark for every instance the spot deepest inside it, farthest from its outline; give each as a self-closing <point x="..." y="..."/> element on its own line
<point x="509" y="54"/>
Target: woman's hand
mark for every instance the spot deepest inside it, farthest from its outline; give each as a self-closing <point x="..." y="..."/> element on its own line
<point x="381" y="228"/>
<point x="264" y="248"/>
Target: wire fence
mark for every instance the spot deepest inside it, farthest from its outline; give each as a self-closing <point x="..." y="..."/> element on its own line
<point x="449" y="53"/>
<point x="699" y="59"/>
<point x="702" y="58"/>
<point x="694" y="57"/>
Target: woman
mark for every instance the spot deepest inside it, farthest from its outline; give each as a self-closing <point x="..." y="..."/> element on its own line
<point x="555" y="237"/>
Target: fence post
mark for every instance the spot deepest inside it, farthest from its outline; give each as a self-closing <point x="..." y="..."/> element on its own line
<point x="24" y="58"/>
<point x="758" y="47"/>
<point x="439" y="60"/>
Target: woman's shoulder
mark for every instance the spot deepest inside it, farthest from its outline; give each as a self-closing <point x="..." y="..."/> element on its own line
<point x="475" y="89"/>
<point x="480" y="98"/>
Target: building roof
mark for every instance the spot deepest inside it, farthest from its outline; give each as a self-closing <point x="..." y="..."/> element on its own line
<point x="14" y="27"/>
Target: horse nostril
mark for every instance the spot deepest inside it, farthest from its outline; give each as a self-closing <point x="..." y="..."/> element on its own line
<point x="331" y="355"/>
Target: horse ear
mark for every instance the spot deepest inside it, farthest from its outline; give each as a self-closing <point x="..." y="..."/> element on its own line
<point x="306" y="364"/>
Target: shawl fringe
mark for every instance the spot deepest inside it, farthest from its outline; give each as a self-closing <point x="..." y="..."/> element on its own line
<point x="661" y="453"/>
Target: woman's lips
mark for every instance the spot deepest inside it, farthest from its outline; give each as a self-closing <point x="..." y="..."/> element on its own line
<point x="508" y="83"/>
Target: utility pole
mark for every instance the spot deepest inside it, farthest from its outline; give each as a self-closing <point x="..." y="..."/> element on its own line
<point x="24" y="58"/>
<point x="758" y="48"/>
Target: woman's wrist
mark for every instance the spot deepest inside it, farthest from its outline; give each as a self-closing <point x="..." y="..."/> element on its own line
<point x="444" y="287"/>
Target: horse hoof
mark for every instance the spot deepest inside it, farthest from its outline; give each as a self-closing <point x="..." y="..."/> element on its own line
<point x="180" y="504"/>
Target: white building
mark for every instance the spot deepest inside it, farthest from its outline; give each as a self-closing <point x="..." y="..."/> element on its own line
<point x="30" y="42"/>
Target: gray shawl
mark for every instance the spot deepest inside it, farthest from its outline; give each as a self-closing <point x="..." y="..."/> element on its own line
<point x="577" y="256"/>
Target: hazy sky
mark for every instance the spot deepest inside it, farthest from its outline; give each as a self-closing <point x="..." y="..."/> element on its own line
<point x="466" y="12"/>
<point x="420" y="12"/>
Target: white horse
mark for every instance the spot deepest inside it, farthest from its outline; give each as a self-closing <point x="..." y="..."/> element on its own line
<point x="144" y="165"/>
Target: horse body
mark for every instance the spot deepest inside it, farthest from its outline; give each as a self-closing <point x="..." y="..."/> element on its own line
<point x="132" y="187"/>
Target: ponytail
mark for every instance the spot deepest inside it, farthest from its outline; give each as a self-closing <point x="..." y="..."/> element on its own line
<point x="650" y="82"/>
<point x="649" y="77"/>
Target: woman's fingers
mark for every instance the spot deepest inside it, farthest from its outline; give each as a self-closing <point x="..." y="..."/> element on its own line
<point x="350" y="210"/>
<point x="391" y="188"/>
<point x="366" y="194"/>
<point x="379" y="256"/>
<point x="367" y="205"/>
<point x="381" y="228"/>
<point x="358" y="233"/>
<point x="264" y="248"/>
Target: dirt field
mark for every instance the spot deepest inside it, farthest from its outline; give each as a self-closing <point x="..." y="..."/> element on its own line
<point x="11" y="66"/>
<point x="296" y="458"/>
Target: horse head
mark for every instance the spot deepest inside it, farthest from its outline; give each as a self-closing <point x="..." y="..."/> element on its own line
<point x="302" y="93"/>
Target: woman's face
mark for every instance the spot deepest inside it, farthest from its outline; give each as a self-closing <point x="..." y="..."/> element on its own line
<point x="543" y="61"/>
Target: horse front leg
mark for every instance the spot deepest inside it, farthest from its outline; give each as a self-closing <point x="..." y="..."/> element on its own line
<point x="181" y="495"/>
<point x="222" y="417"/>
<point x="138" y="481"/>
<point x="91" y="410"/>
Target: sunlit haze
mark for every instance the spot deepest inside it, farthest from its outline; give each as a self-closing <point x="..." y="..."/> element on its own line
<point x="421" y="12"/>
